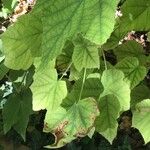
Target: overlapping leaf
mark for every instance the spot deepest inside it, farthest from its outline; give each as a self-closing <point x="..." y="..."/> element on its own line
<point x="131" y="49"/>
<point x="95" y="19"/>
<point x="48" y="92"/>
<point x="141" y="118"/>
<point x="92" y="88"/>
<point x="139" y="93"/>
<point x="106" y="123"/>
<point x="85" y="54"/>
<point x="16" y="112"/>
<point x="113" y="83"/>
<point x="22" y="42"/>
<point x="76" y="122"/>
<point x="132" y="70"/>
<point x="135" y="16"/>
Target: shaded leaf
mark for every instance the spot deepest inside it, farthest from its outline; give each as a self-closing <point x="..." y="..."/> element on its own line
<point x="132" y="70"/>
<point x="22" y="41"/>
<point x="16" y="112"/>
<point x="106" y="123"/>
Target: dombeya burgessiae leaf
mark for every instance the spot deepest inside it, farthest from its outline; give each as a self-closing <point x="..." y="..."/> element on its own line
<point x="131" y="49"/>
<point x="134" y="72"/>
<point x="141" y="118"/>
<point x="139" y="93"/>
<point x="61" y="19"/>
<point x="48" y="92"/>
<point x="76" y="122"/>
<point x="106" y="122"/>
<point x="22" y="42"/>
<point x="3" y="70"/>
<point x="92" y="88"/>
<point x="85" y="54"/>
<point x="113" y="83"/>
<point x="135" y="15"/>
<point x="17" y="110"/>
<point x="74" y="16"/>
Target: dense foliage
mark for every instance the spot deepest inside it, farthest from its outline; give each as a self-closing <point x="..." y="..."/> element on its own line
<point x="81" y="63"/>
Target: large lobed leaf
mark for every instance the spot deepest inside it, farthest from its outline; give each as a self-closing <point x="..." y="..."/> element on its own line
<point x="22" y="42"/>
<point x="61" y="19"/>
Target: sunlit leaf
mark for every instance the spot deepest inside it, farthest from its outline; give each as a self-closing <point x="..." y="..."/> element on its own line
<point x="48" y="92"/>
<point x="113" y="83"/>
<point x="85" y="54"/>
<point x="141" y="118"/>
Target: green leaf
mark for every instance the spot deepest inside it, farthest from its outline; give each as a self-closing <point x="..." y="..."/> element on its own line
<point x="113" y="83"/>
<point x="132" y="70"/>
<point x="106" y="123"/>
<point x="3" y="70"/>
<point x="76" y="122"/>
<point x="115" y="37"/>
<point x="65" y="59"/>
<point x="92" y="88"/>
<point x="135" y="15"/>
<point x="95" y="19"/>
<point x="131" y="49"/>
<point x="7" y="3"/>
<point x="141" y="118"/>
<point x="85" y="54"/>
<point x="47" y="91"/>
<point x="16" y="112"/>
<point x="139" y="93"/>
<point x="22" y="41"/>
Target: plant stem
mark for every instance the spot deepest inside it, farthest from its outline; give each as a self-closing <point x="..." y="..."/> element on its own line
<point x="82" y="86"/>
<point x="65" y="71"/>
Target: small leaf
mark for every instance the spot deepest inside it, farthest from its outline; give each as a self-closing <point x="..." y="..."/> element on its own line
<point x="3" y="70"/>
<point x="65" y="59"/>
<point x="131" y="49"/>
<point x="106" y="123"/>
<point x="16" y="112"/>
<point x="141" y="118"/>
<point x="85" y="54"/>
<point x="139" y="93"/>
<point x="47" y="91"/>
<point x="113" y="83"/>
<point x="92" y="88"/>
<point x="132" y="70"/>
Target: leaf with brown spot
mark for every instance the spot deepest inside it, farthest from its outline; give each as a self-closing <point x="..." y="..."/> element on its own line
<point x="76" y="122"/>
